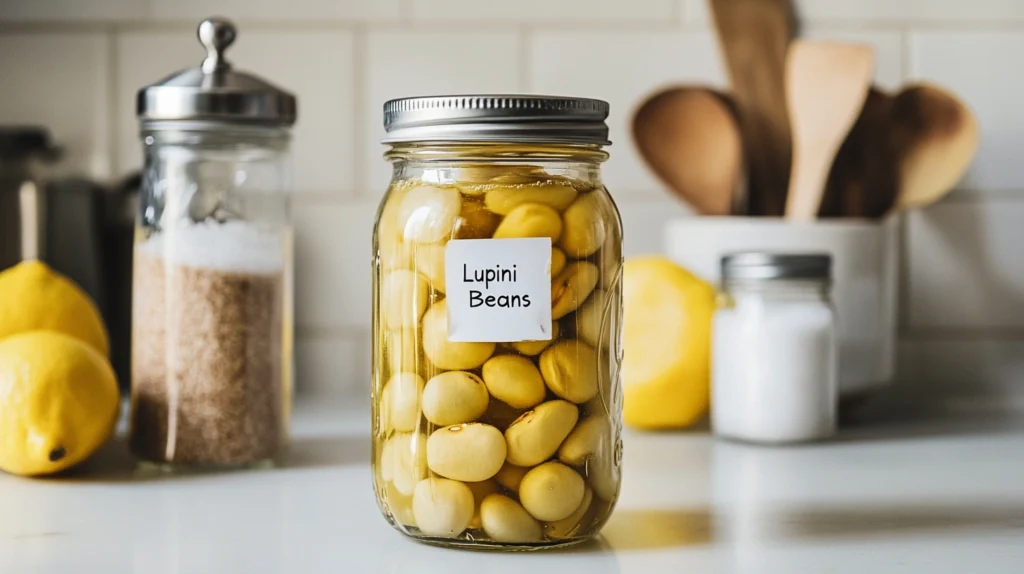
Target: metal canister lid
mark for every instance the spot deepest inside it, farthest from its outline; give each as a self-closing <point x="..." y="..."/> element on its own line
<point x="496" y="118"/>
<point x="215" y="92"/>
<point x="759" y="265"/>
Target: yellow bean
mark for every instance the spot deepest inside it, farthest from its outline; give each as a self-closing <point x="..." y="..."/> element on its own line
<point x="476" y="221"/>
<point x="589" y="318"/>
<point x="408" y="460"/>
<point x="430" y="262"/>
<point x="502" y="199"/>
<point x="568" y="526"/>
<point x="505" y="520"/>
<point x="572" y="287"/>
<point x="442" y="507"/>
<point x="428" y="213"/>
<point x="570" y="370"/>
<point x="591" y="437"/>
<point x="557" y="261"/>
<point x="530" y="220"/>
<point x="402" y="396"/>
<point x="585" y="226"/>
<point x="470" y="452"/>
<point x="400" y="505"/>
<point x="454" y="397"/>
<point x="536" y="436"/>
<point x="501" y="415"/>
<point x="445" y="354"/>
<point x="514" y="380"/>
<point x="403" y="296"/>
<point x="402" y="351"/>
<point x="551" y="491"/>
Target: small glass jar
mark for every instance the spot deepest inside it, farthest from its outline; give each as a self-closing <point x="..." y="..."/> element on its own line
<point x="212" y="291"/>
<point x="774" y="368"/>
<point x="496" y="323"/>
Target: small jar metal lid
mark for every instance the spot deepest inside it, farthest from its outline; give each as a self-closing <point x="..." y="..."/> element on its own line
<point x="759" y="265"/>
<point x="496" y="118"/>
<point x="215" y="93"/>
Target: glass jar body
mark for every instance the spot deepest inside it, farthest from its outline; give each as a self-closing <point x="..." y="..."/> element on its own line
<point x="497" y="442"/>
<point x="774" y="366"/>
<point x="212" y="299"/>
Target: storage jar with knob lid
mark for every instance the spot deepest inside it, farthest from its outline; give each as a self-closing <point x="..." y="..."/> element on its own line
<point x="212" y="294"/>
<point x="496" y="322"/>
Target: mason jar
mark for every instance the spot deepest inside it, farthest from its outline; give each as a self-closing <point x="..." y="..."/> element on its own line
<point x="775" y="375"/>
<point x="496" y="323"/>
<point x="212" y="290"/>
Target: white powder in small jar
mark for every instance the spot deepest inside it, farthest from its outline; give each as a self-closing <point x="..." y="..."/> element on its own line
<point x="775" y="362"/>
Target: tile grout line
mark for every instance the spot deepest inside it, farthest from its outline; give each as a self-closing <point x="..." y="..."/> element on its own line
<point x="113" y="104"/>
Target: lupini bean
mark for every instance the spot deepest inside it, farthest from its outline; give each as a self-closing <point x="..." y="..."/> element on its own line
<point x="569" y="368"/>
<point x="569" y="525"/>
<point x="530" y="220"/>
<point x="445" y="354"/>
<point x="502" y="199"/>
<point x="585" y="227"/>
<point x="536" y="436"/>
<point x="510" y="476"/>
<point x="591" y="437"/>
<point x="533" y="348"/>
<point x="454" y="397"/>
<point x="572" y="287"/>
<point x="442" y="507"/>
<point x="505" y="520"/>
<point x="551" y="491"/>
<point x="402" y="397"/>
<point x="470" y="452"/>
<point x="428" y="213"/>
<point x="514" y="380"/>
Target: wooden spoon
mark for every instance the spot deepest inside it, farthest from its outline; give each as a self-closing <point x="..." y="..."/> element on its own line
<point x="826" y="85"/>
<point x="754" y="36"/>
<point x="864" y="179"/>
<point x="940" y="137"/>
<point x="689" y="137"/>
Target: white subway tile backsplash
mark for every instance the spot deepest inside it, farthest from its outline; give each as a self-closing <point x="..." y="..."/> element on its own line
<point x="277" y="9"/>
<point x="71" y="10"/>
<point x="980" y="67"/>
<point x="318" y="67"/>
<point x="889" y="10"/>
<point x="59" y="80"/>
<point x="964" y="266"/>
<point x="142" y="59"/>
<point x="623" y="68"/>
<point x="332" y="263"/>
<point x="888" y="47"/>
<point x="545" y="10"/>
<point x="400" y="64"/>
<point x="333" y="365"/>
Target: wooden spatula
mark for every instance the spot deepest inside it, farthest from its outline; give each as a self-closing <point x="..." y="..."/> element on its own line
<point x="826" y="84"/>
<point x="688" y="136"/>
<point x="754" y="36"/>
<point x="940" y="137"/>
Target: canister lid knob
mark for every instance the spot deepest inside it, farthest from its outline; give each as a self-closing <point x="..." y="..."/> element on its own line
<point x="216" y="34"/>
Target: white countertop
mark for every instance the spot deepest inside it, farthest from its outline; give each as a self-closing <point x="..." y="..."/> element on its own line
<point x="904" y="498"/>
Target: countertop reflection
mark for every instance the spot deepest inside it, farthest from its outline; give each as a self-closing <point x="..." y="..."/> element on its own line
<point x="908" y="498"/>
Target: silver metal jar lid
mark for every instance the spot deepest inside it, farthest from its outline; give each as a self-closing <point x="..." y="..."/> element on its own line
<point x="496" y="118"/>
<point x="214" y="92"/>
<point x="758" y="265"/>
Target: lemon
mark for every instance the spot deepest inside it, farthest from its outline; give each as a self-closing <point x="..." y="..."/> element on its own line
<point x="34" y="297"/>
<point x="666" y="368"/>
<point x="58" y="402"/>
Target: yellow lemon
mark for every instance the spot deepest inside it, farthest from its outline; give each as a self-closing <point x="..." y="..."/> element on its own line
<point x="58" y="402"/>
<point x="34" y="297"/>
<point x="666" y="366"/>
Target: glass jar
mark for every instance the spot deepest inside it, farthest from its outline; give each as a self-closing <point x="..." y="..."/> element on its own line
<point x="774" y="368"/>
<point x="496" y="323"/>
<point x="212" y="290"/>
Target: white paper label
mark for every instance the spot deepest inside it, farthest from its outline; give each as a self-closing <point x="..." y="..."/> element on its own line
<point x="498" y="290"/>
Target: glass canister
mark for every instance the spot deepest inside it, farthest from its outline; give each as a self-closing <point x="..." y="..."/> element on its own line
<point x="496" y="320"/>
<point x="212" y="291"/>
<point x="775" y="368"/>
